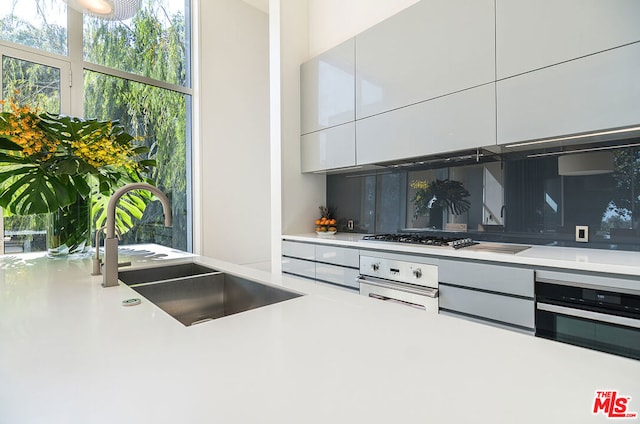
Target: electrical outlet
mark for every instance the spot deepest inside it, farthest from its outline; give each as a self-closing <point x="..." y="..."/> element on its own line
<point x="350" y="224"/>
<point x="582" y="233"/>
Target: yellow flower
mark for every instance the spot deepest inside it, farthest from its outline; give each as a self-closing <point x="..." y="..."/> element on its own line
<point x="419" y="184"/>
<point x="98" y="147"/>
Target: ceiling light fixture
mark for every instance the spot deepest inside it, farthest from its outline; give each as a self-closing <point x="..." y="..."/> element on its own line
<point x="113" y="10"/>
<point x="578" y="164"/>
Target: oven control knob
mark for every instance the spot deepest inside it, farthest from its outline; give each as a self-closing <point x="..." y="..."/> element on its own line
<point x="417" y="273"/>
<point x="375" y="267"/>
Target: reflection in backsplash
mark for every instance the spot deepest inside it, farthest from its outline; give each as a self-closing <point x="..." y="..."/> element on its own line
<point x="516" y="199"/>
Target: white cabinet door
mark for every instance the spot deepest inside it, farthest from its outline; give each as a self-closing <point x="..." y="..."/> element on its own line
<point x="432" y="48"/>
<point x="492" y="306"/>
<point x="299" y="250"/>
<point x="327" y="89"/>
<point x="597" y="92"/>
<point x="343" y="256"/>
<point x="299" y="267"/>
<point x="534" y="34"/>
<point x="346" y="277"/>
<point x="493" y="278"/>
<point x="455" y="122"/>
<point x="328" y="149"/>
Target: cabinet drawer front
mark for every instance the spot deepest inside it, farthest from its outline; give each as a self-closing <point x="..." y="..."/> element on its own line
<point x="328" y="149"/>
<point x="299" y="250"/>
<point x="589" y="94"/>
<point x="454" y="122"/>
<point x="337" y="275"/>
<point x="486" y="305"/>
<point x="338" y="256"/>
<point x="501" y="279"/>
<point x="299" y="267"/>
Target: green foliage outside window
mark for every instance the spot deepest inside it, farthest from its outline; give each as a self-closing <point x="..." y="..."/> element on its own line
<point x="153" y="44"/>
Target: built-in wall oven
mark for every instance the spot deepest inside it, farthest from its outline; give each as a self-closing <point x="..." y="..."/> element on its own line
<point x="589" y="315"/>
<point x="390" y="278"/>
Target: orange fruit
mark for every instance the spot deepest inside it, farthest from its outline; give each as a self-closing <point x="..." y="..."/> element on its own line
<point x="317" y="222"/>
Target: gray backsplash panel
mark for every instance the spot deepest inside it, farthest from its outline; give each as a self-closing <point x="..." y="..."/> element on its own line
<point x="517" y="199"/>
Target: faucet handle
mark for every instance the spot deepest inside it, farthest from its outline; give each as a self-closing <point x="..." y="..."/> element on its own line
<point x="96" y="266"/>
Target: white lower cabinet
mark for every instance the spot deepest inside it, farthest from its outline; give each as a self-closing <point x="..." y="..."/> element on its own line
<point x="342" y="276"/>
<point x="299" y="267"/>
<point x="492" y="307"/>
<point x="335" y="265"/>
<point x="493" y="294"/>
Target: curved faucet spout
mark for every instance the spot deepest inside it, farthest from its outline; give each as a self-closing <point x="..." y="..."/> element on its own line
<point x="110" y="274"/>
<point x="113" y="201"/>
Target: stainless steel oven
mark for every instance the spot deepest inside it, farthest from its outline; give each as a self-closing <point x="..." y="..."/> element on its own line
<point x="387" y="278"/>
<point x="592" y="317"/>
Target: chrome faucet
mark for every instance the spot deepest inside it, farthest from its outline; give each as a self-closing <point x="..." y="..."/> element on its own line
<point x="110" y="267"/>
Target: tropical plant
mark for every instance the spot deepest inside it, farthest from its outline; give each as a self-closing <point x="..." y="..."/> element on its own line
<point x="153" y="44"/>
<point x="447" y="194"/>
<point x="48" y="161"/>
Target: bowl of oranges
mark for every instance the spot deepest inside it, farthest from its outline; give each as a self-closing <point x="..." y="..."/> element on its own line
<point x="326" y="224"/>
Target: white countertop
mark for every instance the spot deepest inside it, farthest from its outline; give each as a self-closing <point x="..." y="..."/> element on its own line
<point x="592" y="260"/>
<point x="70" y="353"/>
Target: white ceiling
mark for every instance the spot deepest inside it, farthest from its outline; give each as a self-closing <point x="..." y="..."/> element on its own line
<point x="259" y="4"/>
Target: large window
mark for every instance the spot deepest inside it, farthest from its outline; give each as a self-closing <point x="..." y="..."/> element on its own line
<point x="137" y="71"/>
<point x="41" y="24"/>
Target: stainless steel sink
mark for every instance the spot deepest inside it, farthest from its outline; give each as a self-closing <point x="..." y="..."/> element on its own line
<point x="197" y="299"/>
<point x="162" y="273"/>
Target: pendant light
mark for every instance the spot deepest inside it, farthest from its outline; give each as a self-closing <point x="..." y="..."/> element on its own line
<point x="113" y="10"/>
<point x="592" y="163"/>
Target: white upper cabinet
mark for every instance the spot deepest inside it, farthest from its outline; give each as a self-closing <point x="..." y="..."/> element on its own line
<point x="458" y="121"/>
<point x="532" y="34"/>
<point x="430" y="49"/>
<point x="327" y="89"/>
<point x="600" y="91"/>
<point x="328" y="149"/>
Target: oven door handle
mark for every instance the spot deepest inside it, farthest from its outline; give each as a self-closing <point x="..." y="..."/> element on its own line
<point x="594" y="316"/>
<point x="422" y="291"/>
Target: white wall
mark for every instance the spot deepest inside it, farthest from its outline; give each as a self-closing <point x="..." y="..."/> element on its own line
<point x="234" y="189"/>
<point x="308" y="27"/>
<point x="333" y="21"/>
<point x="302" y="194"/>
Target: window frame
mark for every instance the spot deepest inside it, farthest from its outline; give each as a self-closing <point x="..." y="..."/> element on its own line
<point x="72" y="94"/>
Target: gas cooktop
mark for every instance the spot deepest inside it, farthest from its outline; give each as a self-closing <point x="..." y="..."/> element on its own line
<point x="423" y="239"/>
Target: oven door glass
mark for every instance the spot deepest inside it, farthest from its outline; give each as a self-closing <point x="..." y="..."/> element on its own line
<point x="606" y="337"/>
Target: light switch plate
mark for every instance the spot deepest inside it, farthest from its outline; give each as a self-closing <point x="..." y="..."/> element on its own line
<point x="582" y="233"/>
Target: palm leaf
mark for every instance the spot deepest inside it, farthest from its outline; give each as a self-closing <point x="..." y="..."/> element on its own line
<point x="130" y="206"/>
<point x="29" y="190"/>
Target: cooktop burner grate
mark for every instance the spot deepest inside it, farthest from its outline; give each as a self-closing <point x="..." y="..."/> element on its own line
<point x="411" y="238"/>
<point x="423" y="239"/>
